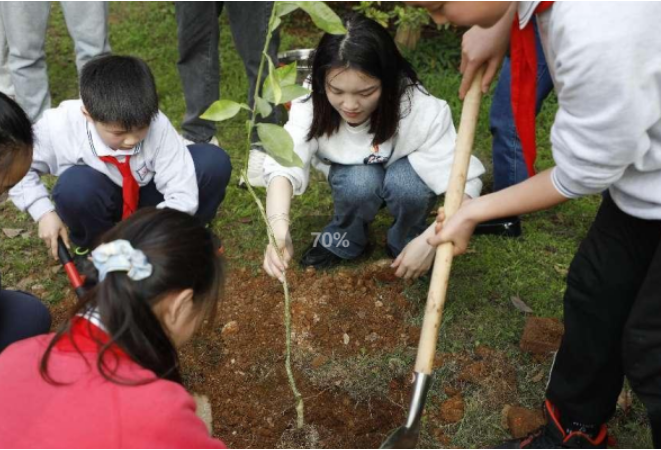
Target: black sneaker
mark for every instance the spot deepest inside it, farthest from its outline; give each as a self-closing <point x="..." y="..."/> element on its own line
<point x="553" y="435"/>
<point x="506" y="227"/>
<point x="320" y="258"/>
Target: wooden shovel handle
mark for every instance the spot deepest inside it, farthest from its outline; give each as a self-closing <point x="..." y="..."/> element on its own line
<point x="443" y="262"/>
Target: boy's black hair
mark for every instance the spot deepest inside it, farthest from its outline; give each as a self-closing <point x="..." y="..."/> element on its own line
<point x="183" y="256"/>
<point x="119" y="89"/>
<point x="368" y="48"/>
<point x="16" y="137"/>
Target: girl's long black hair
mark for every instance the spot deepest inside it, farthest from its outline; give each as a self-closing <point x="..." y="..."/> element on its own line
<point x="368" y="48"/>
<point x="183" y="256"/>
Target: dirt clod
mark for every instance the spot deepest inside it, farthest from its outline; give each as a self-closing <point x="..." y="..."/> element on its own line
<point x="541" y="336"/>
<point x="452" y="410"/>
<point x="230" y="328"/>
<point x="523" y="421"/>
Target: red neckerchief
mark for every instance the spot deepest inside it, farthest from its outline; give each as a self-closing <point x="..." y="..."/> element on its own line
<point x="130" y="187"/>
<point x="85" y="337"/>
<point x="523" y="61"/>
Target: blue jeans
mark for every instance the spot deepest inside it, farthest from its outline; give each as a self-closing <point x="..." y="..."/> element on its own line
<point x="358" y="194"/>
<point x="21" y="316"/>
<point x="509" y="166"/>
<point x="90" y="204"/>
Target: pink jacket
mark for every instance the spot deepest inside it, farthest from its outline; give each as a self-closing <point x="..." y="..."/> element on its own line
<point x="89" y="411"/>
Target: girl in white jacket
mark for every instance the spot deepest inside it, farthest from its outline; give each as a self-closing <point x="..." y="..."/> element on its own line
<point x="380" y="138"/>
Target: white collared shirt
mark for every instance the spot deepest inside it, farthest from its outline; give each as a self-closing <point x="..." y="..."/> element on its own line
<point x="64" y="138"/>
<point x="526" y="11"/>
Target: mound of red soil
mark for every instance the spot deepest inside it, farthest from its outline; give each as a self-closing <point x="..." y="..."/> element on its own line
<point x="541" y="336"/>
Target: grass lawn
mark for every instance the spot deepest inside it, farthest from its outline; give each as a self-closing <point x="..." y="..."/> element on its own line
<point x="479" y="313"/>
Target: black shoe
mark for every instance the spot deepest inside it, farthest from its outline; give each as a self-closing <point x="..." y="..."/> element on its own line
<point x="320" y="258"/>
<point x="506" y="227"/>
<point x="553" y="435"/>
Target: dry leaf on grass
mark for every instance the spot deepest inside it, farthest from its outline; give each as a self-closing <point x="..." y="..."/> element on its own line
<point x="520" y="305"/>
<point x="11" y="233"/>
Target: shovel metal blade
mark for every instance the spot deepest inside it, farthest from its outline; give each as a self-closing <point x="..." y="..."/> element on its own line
<point x="402" y="437"/>
<point x="407" y="436"/>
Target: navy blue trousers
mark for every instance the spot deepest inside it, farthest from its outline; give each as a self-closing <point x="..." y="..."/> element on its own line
<point x="90" y="204"/>
<point x="21" y="316"/>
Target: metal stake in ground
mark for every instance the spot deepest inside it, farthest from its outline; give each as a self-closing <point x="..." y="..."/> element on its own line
<point x="407" y="435"/>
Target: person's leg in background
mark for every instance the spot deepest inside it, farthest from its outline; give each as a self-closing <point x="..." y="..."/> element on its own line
<point x="198" y="35"/>
<point x="21" y="316"/>
<point x="249" y="23"/>
<point x="87" y="23"/>
<point x="25" y="27"/>
<point x="6" y="86"/>
<point x="509" y="165"/>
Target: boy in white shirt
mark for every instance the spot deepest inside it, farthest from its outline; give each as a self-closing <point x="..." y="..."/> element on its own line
<point x="115" y="152"/>
<point x="380" y="138"/>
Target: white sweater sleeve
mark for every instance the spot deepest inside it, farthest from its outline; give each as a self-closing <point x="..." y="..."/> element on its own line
<point x="431" y="121"/>
<point x="174" y="170"/>
<point x="30" y="194"/>
<point x="608" y="101"/>
<point x="298" y="126"/>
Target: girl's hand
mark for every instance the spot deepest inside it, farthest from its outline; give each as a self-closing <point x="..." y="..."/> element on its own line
<point x="418" y="256"/>
<point x="415" y="260"/>
<point x="50" y="228"/>
<point x="272" y="264"/>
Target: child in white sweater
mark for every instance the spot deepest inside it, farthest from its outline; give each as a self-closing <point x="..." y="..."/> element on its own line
<point x="380" y="138"/>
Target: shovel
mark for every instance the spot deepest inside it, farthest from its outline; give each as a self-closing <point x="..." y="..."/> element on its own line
<point x="406" y="436"/>
<point x="69" y="267"/>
